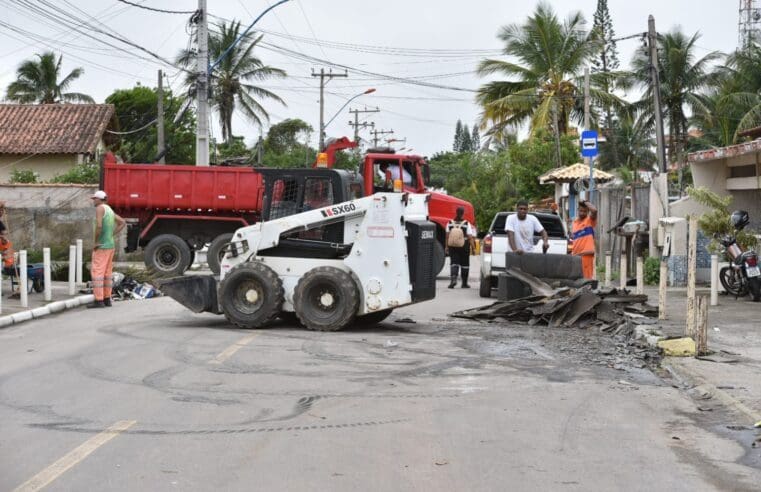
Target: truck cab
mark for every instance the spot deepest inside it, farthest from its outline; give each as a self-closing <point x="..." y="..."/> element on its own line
<point x="382" y="167"/>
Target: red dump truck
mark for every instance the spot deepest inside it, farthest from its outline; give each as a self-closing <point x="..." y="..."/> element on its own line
<point x="173" y="211"/>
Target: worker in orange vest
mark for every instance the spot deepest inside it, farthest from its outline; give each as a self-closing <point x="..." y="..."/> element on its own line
<point x="583" y="234"/>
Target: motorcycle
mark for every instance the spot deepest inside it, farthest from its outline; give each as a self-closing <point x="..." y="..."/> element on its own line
<point x="743" y="275"/>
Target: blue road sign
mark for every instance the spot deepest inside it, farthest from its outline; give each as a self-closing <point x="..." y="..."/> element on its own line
<point x="589" y="143"/>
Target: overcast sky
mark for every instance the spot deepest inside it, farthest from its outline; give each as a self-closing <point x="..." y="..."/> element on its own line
<point x="425" y="116"/>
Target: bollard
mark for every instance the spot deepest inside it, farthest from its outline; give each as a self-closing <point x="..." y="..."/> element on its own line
<point x="72" y="270"/>
<point x="701" y="329"/>
<point x="714" y="280"/>
<point x="640" y="275"/>
<point x="662" y="284"/>
<point x="48" y="296"/>
<point x="622" y="271"/>
<point x="79" y="261"/>
<point x="692" y="247"/>
<point x="23" y="284"/>
<point x="608" y="268"/>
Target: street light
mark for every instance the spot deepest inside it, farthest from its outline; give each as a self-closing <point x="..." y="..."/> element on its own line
<point x="322" y="130"/>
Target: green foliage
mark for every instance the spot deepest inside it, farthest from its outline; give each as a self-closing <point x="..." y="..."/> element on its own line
<point x="606" y="58"/>
<point x="652" y="271"/>
<point x="287" y="136"/>
<point x="532" y="158"/>
<point x="298" y="156"/>
<point x="235" y="147"/>
<point x="37" y="81"/>
<point x="80" y="174"/>
<point x="716" y="222"/>
<point x="23" y="176"/>
<point x="136" y="108"/>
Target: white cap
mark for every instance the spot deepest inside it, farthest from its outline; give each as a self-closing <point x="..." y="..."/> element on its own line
<point x="100" y="195"/>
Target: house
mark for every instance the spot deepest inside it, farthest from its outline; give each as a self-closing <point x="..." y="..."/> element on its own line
<point x="50" y="139"/>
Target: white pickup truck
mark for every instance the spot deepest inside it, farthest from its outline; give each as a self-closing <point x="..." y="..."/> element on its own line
<point x="495" y="245"/>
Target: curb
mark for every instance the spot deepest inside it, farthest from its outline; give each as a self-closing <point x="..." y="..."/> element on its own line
<point x="722" y="396"/>
<point x="53" y="307"/>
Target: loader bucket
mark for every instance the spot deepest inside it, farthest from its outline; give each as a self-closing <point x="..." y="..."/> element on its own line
<point x="196" y="292"/>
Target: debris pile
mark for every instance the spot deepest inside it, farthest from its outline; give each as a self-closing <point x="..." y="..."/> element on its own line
<point x="610" y="310"/>
<point x="125" y="288"/>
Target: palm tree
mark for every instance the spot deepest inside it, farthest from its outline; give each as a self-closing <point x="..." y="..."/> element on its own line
<point x="682" y="78"/>
<point x="232" y="82"/>
<point x="546" y="77"/>
<point x="37" y="82"/>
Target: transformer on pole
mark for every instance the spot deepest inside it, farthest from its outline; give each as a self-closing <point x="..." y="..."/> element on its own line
<point x="749" y="24"/>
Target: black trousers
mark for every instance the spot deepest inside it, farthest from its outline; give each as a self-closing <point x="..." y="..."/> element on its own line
<point x="459" y="260"/>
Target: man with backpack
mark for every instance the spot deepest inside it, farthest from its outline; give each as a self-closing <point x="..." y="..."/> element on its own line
<point x="459" y="241"/>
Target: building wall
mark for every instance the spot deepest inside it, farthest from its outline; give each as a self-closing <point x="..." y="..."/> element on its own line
<point x="48" y="166"/>
<point x="51" y="216"/>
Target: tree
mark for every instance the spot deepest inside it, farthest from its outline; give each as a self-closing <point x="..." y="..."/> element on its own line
<point x="134" y="109"/>
<point x="232" y="83"/>
<point x="287" y="135"/>
<point x="683" y="76"/>
<point x="37" y="81"/>
<point x="550" y="57"/>
<point x="475" y="139"/>
<point x="457" y="137"/>
<point x="535" y="156"/>
<point x="606" y="57"/>
<point x="466" y="144"/>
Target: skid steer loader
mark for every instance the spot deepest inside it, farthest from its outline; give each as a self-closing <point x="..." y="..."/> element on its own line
<point x="353" y="262"/>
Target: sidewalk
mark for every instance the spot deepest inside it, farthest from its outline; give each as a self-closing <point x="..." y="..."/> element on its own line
<point x="60" y="291"/>
<point x="732" y="374"/>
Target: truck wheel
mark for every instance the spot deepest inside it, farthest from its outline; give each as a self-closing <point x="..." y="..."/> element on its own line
<point x="326" y="299"/>
<point x="372" y="318"/>
<point x="754" y="284"/>
<point x="216" y="251"/>
<point x="167" y="254"/>
<point x="251" y="295"/>
<point x="439" y="257"/>
<point x="484" y="288"/>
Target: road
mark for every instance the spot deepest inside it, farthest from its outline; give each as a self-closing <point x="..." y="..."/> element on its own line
<point x="147" y="396"/>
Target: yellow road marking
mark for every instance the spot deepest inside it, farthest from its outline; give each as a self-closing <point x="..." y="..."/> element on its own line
<point x="230" y="351"/>
<point x="73" y="457"/>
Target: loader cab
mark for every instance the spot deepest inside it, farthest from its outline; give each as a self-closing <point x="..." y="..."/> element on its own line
<point x="292" y="191"/>
<point x="382" y="168"/>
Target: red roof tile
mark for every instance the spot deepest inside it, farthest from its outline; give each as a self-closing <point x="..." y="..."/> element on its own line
<point x="52" y="128"/>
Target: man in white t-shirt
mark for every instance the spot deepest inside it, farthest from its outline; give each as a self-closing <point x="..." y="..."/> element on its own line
<point x="521" y="227"/>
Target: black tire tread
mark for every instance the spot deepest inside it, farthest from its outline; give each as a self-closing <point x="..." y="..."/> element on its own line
<point x="270" y="310"/>
<point x="216" y="246"/>
<point x="484" y="287"/>
<point x="182" y="246"/>
<point x="345" y="282"/>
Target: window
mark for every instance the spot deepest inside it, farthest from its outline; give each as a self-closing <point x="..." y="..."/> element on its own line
<point x="318" y="193"/>
<point x="285" y="192"/>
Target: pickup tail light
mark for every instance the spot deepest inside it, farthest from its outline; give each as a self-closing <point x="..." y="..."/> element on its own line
<point x="569" y="248"/>
<point x="487" y="244"/>
<point x="752" y="261"/>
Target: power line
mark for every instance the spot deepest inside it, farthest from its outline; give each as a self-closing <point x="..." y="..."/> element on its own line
<point x="158" y="10"/>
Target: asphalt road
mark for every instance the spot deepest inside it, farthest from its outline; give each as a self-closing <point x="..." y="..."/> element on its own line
<point x="147" y="396"/>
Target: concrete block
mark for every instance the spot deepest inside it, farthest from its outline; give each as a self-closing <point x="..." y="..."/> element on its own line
<point x="6" y="321"/>
<point x="71" y="303"/>
<point x="22" y="316"/>
<point x="40" y="312"/>
<point x="56" y="307"/>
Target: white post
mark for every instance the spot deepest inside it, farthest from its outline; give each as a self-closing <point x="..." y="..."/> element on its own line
<point x="48" y="296"/>
<point x="662" y="284"/>
<point x="72" y="270"/>
<point x="79" y="261"/>
<point x="622" y="270"/>
<point x="714" y="280"/>
<point x="640" y="276"/>
<point x="608" y="268"/>
<point x="23" y="283"/>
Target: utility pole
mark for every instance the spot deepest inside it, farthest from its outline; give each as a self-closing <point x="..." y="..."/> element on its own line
<point x="325" y="77"/>
<point x="558" y="160"/>
<point x="652" y="42"/>
<point x="160" y="118"/>
<point x="202" y="88"/>
<point x="587" y="122"/>
<point x="377" y="134"/>
<point x="356" y="124"/>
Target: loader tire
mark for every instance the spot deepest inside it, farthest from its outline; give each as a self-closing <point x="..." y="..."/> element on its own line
<point x="439" y="257"/>
<point x="326" y="299"/>
<point x="372" y="318"/>
<point x="216" y="251"/>
<point x="251" y="295"/>
<point x="168" y="255"/>
<point x="484" y="287"/>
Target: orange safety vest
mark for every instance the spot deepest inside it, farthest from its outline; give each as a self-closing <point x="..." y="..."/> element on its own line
<point x="6" y="248"/>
